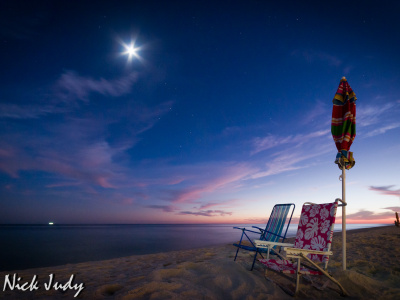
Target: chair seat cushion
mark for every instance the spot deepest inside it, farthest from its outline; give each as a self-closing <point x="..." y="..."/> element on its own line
<point x="286" y="266"/>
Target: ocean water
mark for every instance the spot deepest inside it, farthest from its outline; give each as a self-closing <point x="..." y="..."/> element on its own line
<point x="31" y="246"/>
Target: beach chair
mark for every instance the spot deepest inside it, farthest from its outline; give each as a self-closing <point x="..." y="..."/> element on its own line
<point x="272" y="232"/>
<point x="312" y="244"/>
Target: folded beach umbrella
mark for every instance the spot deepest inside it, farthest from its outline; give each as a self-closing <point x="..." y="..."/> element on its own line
<point x="344" y="131"/>
<point x="344" y="122"/>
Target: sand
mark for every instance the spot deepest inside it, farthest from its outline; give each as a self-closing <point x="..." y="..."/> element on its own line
<point x="373" y="272"/>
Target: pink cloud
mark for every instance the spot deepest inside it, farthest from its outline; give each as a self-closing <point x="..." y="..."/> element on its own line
<point x="228" y="203"/>
<point x="385" y="190"/>
<point x="206" y="213"/>
<point x="256" y="220"/>
<point x="227" y="176"/>
<point x="393" y="208"/>
<point x="369" y="216"/>
<point x="127" y="201"/>
<point x="165" y="208"/>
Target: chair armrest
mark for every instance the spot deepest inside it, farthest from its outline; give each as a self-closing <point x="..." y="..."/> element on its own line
<point x="244" y="229"/>
<point x="262" y="230"/>
<point x="296" y="251"/>
<point x="267" y="244"/>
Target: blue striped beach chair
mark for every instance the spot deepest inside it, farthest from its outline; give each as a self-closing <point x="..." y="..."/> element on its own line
<point x="272" y="232"/>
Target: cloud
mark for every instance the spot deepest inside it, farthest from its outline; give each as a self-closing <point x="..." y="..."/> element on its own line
<point x="385" y="190"/>
<point x="165" y="208"/>
<point x="71" y="85"/>
<point x="370" y="216"/>
<point x="65" y="93"/>
<point x="272" y="141"/>
<point x="27" y="111"/>
<point x="76" y="150"/>
<point x="206" y="213"/>
<point x="372" y="114"/>
<point x="282" y="163"/>
<point x="316" y="111"/>
<point x="289" y="159"/>
<point x="383" y="129"/>
<point x="257" y="221"/>
<point x="393" y="208"/>
<point x="222" y="177"/>
<point x="218" y="204"/>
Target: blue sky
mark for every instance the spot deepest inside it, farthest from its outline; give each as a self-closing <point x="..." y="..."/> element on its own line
<point x="224" y="112"/>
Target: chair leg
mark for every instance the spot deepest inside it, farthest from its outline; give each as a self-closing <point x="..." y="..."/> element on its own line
<point x="240" y="242"/>
<point x="254" y="260"/>
<point x="343" y="291"/>
<point x="237" y="251"/>
<point x="297" y="276"/>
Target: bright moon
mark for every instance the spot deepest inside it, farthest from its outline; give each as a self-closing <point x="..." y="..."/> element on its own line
<point x="131" y="50"/>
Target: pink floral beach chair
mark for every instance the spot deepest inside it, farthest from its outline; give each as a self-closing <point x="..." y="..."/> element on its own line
<point x="312" y="245"/>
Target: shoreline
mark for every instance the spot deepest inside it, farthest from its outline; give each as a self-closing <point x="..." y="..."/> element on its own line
<point x="50" y="247"/>
<point x="373" y="270"/>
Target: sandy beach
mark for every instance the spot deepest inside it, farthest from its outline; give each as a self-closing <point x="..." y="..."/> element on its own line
<point x="373" y="263"/>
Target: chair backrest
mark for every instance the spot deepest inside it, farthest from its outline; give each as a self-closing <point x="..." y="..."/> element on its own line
<point x="276" y="222"/>
<point x="315" y="230"/>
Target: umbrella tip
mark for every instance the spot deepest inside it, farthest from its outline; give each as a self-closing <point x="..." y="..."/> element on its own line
<point x="343" y="78"/>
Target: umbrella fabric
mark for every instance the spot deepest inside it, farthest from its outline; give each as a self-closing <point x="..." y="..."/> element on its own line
<point x="344" y="122"/>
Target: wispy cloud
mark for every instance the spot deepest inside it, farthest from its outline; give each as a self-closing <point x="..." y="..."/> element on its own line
<point x="65" y="93"/>
<point x="385" y="190"/>
<point x="223" y="177"/>
<point x="206" y="213"/>
<point x="228" y="203"/>
<point x="24" y="111"/>
<point x="72" y="85"/>
<point x="164" y="208"/>
<point x="291" y="151"/>
<point x="256" y="221"/>
<point x="272" y="141"/>
<point x="371" y="114"/>
<point x="78" y="150"/>
<point x="282" y="163"/>
<point x="393" y="208"/>
<point x="366" y="215"/>
<point x="383" y="129"/>
<point x="317" y="111"/>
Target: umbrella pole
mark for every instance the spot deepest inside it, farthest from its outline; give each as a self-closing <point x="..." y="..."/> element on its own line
<point x="344" y="216"/>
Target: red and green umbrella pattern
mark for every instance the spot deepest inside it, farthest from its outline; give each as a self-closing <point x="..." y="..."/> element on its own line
<point x="344" y="122"/>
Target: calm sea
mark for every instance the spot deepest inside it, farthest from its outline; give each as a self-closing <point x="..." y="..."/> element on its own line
<point x="31" y="246"/>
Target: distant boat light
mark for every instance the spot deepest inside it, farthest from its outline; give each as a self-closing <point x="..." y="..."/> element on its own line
<point x="51" y="223"/>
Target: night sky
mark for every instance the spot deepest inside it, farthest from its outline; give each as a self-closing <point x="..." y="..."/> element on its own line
<point x="222" y="111"/>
